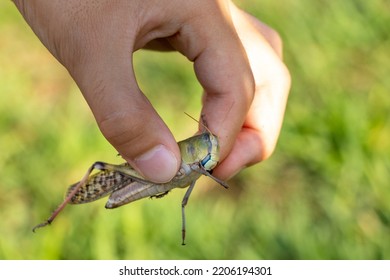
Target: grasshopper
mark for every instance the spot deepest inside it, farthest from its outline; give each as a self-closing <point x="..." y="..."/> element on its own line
<point x="200" y="154"/>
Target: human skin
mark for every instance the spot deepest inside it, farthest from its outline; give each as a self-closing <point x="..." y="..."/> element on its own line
<point x="237" y="60"/>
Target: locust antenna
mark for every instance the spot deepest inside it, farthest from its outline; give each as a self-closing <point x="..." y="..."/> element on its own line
<point x="202" y="122"/>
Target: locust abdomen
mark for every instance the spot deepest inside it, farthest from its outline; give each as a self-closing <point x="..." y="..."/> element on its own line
<point x="136" y="190"/>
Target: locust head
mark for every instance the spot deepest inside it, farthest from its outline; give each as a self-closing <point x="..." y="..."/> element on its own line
<point x="202" y="148"/>
<point x="211" y="159"/>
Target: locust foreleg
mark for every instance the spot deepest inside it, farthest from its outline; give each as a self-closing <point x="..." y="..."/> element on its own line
<point x="201" y="170"/>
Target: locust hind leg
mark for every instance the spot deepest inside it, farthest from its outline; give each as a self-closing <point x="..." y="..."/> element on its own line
<point x="97" y="165"/>
<point x="183" y="205"/>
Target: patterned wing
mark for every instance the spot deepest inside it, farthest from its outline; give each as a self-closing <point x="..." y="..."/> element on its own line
<point x="98" y="185"/>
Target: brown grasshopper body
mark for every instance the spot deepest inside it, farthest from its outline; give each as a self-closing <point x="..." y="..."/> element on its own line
<point x="200" y="154"/>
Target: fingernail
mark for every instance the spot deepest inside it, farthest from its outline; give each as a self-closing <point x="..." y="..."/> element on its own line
<point x="157" y="165"/>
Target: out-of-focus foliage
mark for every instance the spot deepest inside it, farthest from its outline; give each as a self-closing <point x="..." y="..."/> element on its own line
<point x="324" y="194"/>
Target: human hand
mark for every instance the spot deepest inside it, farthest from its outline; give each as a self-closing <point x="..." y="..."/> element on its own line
<point x="95" y="39"/>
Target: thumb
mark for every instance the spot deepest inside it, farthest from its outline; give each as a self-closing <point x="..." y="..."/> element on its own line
<point x="125" y="116"/>
<point x="94" y="43"/>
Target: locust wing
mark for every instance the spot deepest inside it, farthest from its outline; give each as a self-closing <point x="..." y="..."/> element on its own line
<point x="98" y="185"/>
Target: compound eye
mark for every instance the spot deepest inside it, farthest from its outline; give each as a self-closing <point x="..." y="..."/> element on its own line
<point x="205" y="161"/>
<point x="208" y="163"/>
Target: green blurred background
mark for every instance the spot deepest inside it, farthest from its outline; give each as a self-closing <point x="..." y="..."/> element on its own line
<point x="324" y="194"/>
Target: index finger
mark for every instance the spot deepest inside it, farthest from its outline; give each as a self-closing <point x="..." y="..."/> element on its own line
<point x="225" y="75"/>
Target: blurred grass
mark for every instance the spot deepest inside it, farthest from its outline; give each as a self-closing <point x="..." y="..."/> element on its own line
<point x="323" y="195"/>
